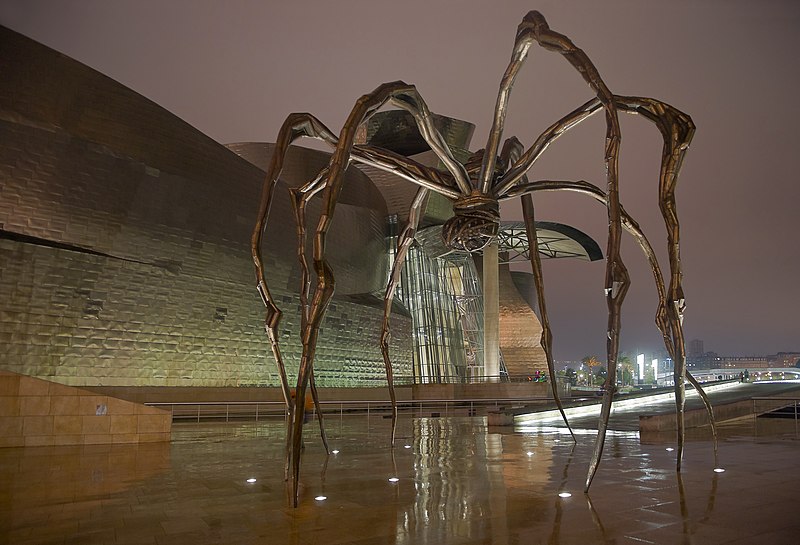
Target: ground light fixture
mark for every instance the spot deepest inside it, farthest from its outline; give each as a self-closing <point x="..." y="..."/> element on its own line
<point x="719" y="470"/>
<point x="393" y="479"/>
<point x="564" y="495"/>
<point x="251" y="480"/>
<point x="334" y="452"/>
<point x="321" y="498"/>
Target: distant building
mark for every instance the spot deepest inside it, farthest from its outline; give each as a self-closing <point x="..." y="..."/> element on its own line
<point x="695" y="348"/>
<point x="785" y="359"/>
<point x="739" y="362"/>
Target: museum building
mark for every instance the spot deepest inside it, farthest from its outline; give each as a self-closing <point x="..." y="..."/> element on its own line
<point x="125" y="244"/>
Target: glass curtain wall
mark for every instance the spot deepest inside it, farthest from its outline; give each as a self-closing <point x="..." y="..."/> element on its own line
<point x="443" y="295"/>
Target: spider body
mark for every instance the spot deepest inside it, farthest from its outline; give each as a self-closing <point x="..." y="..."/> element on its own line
<point x="475" y="188"/>
<point x="474" y="225"/>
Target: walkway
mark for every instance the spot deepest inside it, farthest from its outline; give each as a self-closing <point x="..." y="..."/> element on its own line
<point x="459" y="483"/>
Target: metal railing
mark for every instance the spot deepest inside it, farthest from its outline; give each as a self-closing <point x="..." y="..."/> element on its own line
<point x="261" y="410"/>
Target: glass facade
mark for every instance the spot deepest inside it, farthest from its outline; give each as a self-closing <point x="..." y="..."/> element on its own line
<point x="442" y="292"/>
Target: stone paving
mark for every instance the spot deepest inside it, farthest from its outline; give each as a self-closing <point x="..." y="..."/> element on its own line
<point x="459" y="482"/>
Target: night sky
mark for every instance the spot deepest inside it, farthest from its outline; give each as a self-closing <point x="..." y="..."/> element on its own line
<point x="235" y="69"/>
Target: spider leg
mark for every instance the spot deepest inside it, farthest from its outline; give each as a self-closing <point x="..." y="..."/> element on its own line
<point x="512" y="149"/>
<point x="406" y="97"/>
<point x="617" y="281"/>
<point x="547" y="336"/>
<point x="299" y="198"/>
<point x="404" y="243"/>
<point x="661" y="319"/>
<point x="534" y="29"/>
<point x="677" y="130"/>
<point x="295" y="126"/>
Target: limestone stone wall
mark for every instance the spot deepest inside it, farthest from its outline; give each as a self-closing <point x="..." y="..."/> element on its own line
<point x="37" y="412"/>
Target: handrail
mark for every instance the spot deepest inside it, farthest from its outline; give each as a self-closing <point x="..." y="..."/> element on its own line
<point x="251" y="409"/>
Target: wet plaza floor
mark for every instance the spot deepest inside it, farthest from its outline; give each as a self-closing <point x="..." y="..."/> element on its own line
<point x="459" y="482"/>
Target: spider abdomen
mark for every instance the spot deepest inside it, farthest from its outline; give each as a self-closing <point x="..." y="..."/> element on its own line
<point x="474" y="225"/>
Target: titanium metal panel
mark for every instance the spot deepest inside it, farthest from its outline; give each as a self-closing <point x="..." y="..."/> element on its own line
<point x="124" y="239"/>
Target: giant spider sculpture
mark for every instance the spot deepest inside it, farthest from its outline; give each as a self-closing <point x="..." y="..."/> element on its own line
<point x="475" y="190"/>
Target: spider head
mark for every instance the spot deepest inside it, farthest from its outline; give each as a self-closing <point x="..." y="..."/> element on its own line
<point x="474" y="225"/>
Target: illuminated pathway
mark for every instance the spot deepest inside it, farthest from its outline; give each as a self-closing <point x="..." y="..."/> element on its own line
<point x="625" y="414"/>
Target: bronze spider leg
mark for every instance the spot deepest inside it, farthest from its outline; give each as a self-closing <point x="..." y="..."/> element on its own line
<point x="512" y="149"/>
<point x="534" y="28"/>
<point x="547" y="336"/>
<point x="388" y="161"/>
<point x="633" y="228"/>
<point x="299" y="198"/>
<point x="306" y="125"/>
<point x="403" y="245"/>
<point x="400" y="94"/>
<point x="294" y="127"/>
<point x="406" y="97"/>
<point x="677" y="129"/>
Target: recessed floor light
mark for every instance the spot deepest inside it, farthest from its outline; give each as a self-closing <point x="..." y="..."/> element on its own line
<point x="251" y="480"/>
<point x="564" y="495"/>
<point x="529" y="453"/>
<point x="334" y="452"/>
<point x="670" y="449"/>
<point x="407" y="446"/>
<point x="321" y="498"/>
<point x="393" y="479"/>
<point x="719" y="470"/>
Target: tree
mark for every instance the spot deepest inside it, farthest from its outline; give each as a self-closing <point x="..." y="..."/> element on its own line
<point x="625" y="366"/>
<point x="591" y="362"/>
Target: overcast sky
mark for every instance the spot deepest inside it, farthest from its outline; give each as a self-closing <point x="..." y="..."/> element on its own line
<point x="235" y="69"/>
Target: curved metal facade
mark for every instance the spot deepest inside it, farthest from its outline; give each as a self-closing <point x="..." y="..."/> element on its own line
<point x="124" y="238"/>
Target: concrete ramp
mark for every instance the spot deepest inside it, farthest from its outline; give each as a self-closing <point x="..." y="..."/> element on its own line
<point x="35" y="412"/>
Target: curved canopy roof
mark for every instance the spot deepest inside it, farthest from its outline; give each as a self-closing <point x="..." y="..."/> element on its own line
<point x="555" y="240"/>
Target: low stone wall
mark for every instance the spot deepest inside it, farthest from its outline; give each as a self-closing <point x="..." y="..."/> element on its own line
<point x="35" y="412"/>
<point x="165" y="394"/>
<point x="695" y="418"/>
<point x="484" y="390"/>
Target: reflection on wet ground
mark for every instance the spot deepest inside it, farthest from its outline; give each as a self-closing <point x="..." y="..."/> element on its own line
<point x="458" y="482"/>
